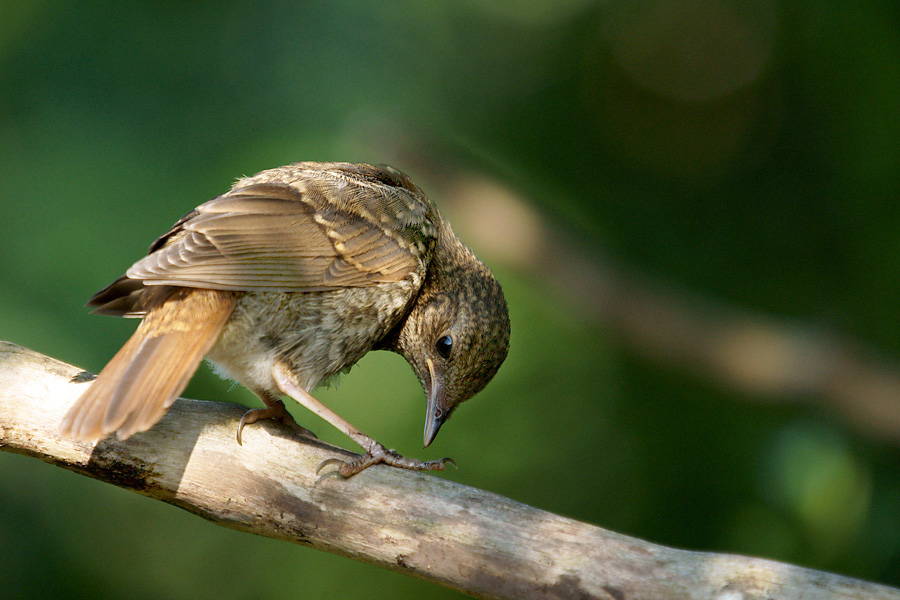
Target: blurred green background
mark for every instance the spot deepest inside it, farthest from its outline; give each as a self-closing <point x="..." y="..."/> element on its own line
<point x="741" y="154"/>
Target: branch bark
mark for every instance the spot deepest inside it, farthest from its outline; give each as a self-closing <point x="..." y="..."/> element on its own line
<point x="464" y="538"/>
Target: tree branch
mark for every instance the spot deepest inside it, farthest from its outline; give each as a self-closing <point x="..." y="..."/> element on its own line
<point x="464" y="538"/>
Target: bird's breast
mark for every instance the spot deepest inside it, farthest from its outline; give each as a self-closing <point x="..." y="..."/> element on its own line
<point x="317" y="333"/>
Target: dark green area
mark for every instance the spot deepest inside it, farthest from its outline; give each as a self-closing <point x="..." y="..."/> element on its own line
<point x="749" y="152"/>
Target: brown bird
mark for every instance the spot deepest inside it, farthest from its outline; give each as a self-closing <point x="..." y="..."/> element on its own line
<point x="289" y="278"/>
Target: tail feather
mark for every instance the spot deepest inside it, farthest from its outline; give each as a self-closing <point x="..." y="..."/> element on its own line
<point x="81" y="420"/>
<point x="154" y="366"/>
<point x="151" y="376"/>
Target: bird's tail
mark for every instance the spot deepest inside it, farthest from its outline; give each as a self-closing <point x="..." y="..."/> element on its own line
<point x="149" y="372"/>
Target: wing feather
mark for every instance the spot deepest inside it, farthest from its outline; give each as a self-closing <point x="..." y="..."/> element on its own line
<point x="321" y="229"/>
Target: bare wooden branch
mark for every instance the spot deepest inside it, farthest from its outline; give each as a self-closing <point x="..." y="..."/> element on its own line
<point x="464" y="538"/>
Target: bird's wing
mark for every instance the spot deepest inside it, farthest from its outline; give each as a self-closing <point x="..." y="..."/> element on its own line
<point x="324" y="230"/>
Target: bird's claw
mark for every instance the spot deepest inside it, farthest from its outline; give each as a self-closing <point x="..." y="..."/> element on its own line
<point x="379" y="454"/>
<point x="278" y="413"/>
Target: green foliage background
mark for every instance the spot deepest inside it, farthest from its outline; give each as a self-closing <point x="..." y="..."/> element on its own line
<point x="747" y="151"/>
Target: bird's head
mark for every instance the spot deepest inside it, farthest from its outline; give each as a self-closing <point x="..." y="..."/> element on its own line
<point x="456" y="335"/>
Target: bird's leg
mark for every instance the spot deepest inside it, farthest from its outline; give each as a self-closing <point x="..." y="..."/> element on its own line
<point x="375" y="452"/>
<point x="274" y="410"/>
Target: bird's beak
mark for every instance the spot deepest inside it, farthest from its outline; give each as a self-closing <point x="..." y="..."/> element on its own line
<point x="434" y="416"/>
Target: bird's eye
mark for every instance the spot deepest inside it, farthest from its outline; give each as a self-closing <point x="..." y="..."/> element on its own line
<point x="444" y="345"/>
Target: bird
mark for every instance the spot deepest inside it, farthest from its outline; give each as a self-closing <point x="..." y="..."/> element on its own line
<point x="284" y="282"/>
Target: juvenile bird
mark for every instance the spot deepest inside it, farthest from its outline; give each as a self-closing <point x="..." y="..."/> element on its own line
<point x="289" y="278"/>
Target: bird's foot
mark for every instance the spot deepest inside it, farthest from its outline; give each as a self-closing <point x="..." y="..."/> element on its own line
<point x="273" y="411"/>
<point x="377" y="453"/>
